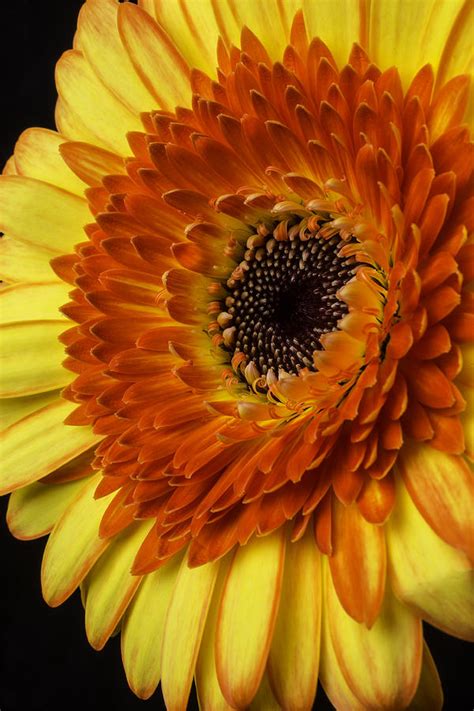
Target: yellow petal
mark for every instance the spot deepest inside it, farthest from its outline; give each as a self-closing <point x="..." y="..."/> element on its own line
<point x="427" y="573"/>
<point x="91" y="163"/>
<point x="294" y="654"/>
<point x="30" y="359"/>
<point x="155" y="58"/>
<point x="16" y="408"/>
<point x="442" y="487"/>
<point x="338" y="35"/>
<point x="381" y="665"/>
<point x="20" y="262"/>
<point x="37" y="156"/>
<point x="74" y="544"/>
<point x="183" y="631"/>
<point x="42" y="214"/>
<point x="457" y="54"/>
<point x="331" y="676"/>
<point x="34" y="509"/>
<point x="39" y="444"/>
<point x="31" y="302"/>
<point x="423" y="26"/>
<point x="264" y="699"/>
<point x="429" y="694"/>
<point x="98" y="39"/>
<point x="109" y="586"/>
<point x="207" y="686"/>
<point x="247" y="616"/>
<point x="85" y="97"/>
<point x="142" y="628"/>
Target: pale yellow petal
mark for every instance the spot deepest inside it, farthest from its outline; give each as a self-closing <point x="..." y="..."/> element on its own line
<point x="74" y="544"/>
<point x="39" y="444"/>
<point x="110" y="586"/>
<point x="21" y="262"/>
<point x="16" y="408"/>
<point x="142" y="628"/>
<point x="30" y="358"/>
<point x="86" y="98"/>
<point x="338" y="23"/>
<point x="293" y="661"/>
<point x="207" y="685"/>
<point x="155" y="58"/>
<point x="331" y="676"/>
<point x="31" y="302"/>
<point x="34" y="509"/>
<point x="429" y="694"/>
<point x="458" y="55"/>
<point x="427" y="573"/>
<point x="381" y="665"/>
<point x="42" y="214"/>
<point x="247" y="616"/>
<point x="37" y="156"/>
<point x="98" y="39"/>
<point x="423" y="26"/>
<point x="183" y="631"/>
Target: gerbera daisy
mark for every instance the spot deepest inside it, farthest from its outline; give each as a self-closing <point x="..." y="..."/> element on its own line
<point x="237" y="336"/>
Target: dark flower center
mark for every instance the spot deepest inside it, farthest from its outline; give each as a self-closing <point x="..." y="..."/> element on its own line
<point x="283" y="299"/>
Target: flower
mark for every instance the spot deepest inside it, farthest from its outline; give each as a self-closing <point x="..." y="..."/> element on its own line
<point x="266" y="318"/>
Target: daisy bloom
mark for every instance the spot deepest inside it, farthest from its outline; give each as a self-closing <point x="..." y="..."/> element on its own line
<point x="237" y="335"/>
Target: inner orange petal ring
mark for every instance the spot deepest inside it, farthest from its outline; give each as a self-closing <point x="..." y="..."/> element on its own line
<point x="262" y="304"/>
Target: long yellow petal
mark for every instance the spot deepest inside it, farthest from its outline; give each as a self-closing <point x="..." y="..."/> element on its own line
<point x="31" y="302"/>
<point x="21" y="262"/>
<point x="37" y="156"/>
<point x="42" y="214"/>
<point x="16" y="408"/>
<point x="34" y="509"/>
<point x="442" y="487"/>
<point x="183" y="631"/>
<point x="208" y="690"/>
<point x="86" y="98"/>
<point x="381" y="665"/>
<point x="331" y="676"/>
<point x="264" y="699"/>
<point x="39" y="444"/>
<point x="247" y="616"/>
<point x="155" y="58"/>
<point x="427" y="573"/>
<point x="293" y="661"/>
<point x="424" y="26"/>
<point x="31" y="356"/>
<point x="74" y="545"/>
<point x="339" y="36"/>
<point x="142" y="629"/>
<point x="429" y="694"/>
<point x="97" y="37"/>
<point x="109" y="586"/>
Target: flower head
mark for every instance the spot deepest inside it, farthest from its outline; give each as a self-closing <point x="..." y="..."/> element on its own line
<point x="258" y="276"/>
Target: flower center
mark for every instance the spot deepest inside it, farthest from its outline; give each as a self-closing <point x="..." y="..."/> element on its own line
<point x="283" y="298"/>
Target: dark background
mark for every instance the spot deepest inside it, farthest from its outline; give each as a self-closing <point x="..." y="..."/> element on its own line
<point x="46" y="662"/>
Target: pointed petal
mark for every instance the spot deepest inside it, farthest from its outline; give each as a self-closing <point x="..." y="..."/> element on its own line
<point x="34" y="509"/>
<point x="41" y="214"/>
<point x="380" y="665"/>
<point x="293" y="661"/>
<point x="442" y="487"/>
<point x="247" y="616"/>
<point x="183" y="630"/>
<point x="427" y="573"/>
<point x="74" y="545"/>
<point x="110" y="586"/>
<point x="37" y="156"/>
<point x="142" y="629"/>
<point x="429" y="694"/>
<point x="39" y="444"/>
<point x="358" y="563"/>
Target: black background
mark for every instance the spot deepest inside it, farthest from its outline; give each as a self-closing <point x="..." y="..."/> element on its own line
<point x="46" y="662"/>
